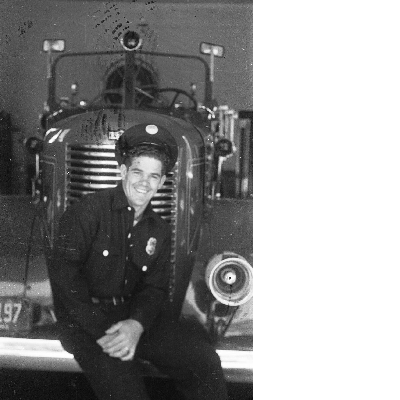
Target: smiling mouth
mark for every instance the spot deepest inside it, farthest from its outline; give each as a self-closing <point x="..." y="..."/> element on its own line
<point x="141" y="191"/>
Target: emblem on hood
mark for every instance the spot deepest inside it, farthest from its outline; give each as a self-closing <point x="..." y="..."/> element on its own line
<point x="151" y="246"/>
<point x="114" y="135"/>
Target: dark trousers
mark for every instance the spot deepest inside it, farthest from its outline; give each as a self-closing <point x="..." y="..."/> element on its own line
<point x="172" y="347"/>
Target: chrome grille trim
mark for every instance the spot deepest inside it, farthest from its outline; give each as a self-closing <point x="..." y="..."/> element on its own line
<point x="93" y="177"/>
<point x="89" y="153"/>
<point x="91" y="162"/>
<point x="83" y="169"/>
<point x="91" y="167"/>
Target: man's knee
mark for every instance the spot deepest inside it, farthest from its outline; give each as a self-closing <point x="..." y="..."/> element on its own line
<point x="205" y="357"/>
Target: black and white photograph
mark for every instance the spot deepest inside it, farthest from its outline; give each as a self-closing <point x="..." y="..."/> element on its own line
<point x="126" y="200"/>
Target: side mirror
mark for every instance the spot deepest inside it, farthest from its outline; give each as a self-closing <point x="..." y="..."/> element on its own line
<point x="212" y="49"/>
<point x="53" y="45"/>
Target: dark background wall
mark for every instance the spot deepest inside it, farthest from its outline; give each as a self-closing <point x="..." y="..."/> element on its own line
<point x="171" y="27"/>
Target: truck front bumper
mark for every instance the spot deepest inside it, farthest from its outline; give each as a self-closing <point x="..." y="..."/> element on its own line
<point x="48" y="355"/>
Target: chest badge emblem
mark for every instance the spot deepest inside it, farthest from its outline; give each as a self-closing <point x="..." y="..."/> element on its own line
<point x="151" y="246"/>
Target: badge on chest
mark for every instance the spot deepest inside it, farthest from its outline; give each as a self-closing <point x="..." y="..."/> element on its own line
<point x="151" y="246"/>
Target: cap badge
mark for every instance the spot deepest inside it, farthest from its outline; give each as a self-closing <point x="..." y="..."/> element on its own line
<point x="151" y="246"/>
<point x="151" y="129"/>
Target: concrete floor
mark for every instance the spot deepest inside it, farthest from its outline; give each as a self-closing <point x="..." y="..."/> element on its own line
<point x="27" y="385"/>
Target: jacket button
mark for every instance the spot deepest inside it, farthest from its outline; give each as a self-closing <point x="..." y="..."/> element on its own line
<point x="105" y="253"/>
<point x="144" y="268"/>
<point x="129" y="208"/>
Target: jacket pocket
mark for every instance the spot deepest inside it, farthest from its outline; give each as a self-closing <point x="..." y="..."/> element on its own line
<point x="103" y="248"/>
<point x="103" y="266"/>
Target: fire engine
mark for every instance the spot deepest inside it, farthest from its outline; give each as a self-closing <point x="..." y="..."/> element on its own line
<point x="93" y="97"/>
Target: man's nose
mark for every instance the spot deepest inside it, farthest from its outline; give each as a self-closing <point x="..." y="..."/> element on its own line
<point x="145" y="180"/>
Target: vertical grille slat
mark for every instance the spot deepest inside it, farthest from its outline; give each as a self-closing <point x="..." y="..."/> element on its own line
<point x="90" y="168"/>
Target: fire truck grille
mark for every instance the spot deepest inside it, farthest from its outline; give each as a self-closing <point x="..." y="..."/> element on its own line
<point x="90" y="168"/>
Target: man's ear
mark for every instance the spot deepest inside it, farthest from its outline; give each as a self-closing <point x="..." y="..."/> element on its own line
<point x="163" y="178"/>
<point x="123" y="170"/>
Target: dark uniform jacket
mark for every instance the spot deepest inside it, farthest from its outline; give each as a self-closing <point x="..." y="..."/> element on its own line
<point x="99" y="253"/>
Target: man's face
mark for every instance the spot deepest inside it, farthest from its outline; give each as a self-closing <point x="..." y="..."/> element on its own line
<point x="141" y="181"/>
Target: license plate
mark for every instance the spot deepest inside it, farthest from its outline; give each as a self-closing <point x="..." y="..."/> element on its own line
<point x="16" y="316"/>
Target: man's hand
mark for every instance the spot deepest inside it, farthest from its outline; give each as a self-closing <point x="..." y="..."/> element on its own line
<point x="121" y="339"/>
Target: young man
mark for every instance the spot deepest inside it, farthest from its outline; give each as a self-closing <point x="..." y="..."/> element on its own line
<point x="109" y="277"/>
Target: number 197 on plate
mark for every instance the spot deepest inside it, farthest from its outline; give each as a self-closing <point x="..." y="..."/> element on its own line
<point x="9" y="312"/>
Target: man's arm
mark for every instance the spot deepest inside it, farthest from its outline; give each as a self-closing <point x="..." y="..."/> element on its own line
<point x="70" y="291"/>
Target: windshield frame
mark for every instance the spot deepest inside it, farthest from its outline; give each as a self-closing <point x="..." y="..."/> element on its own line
<point x="52" y="84"/>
